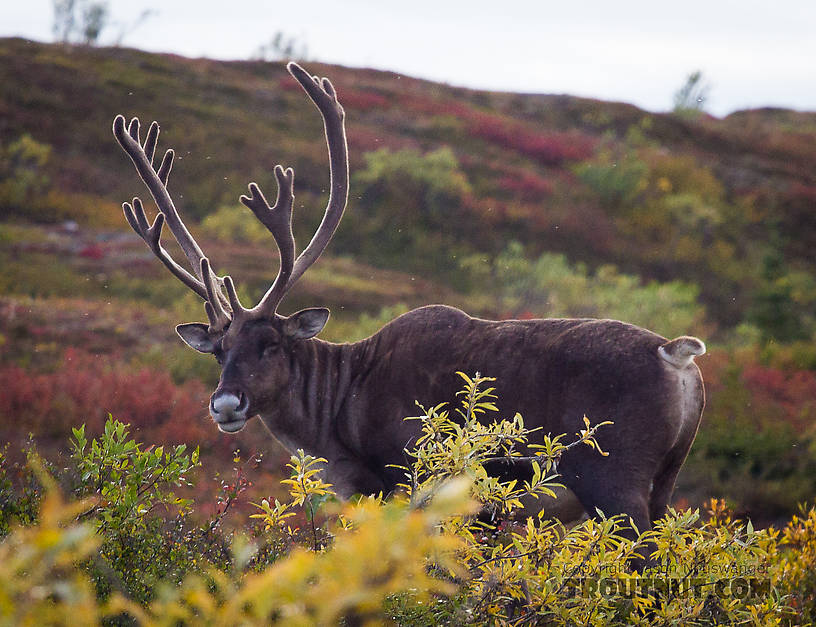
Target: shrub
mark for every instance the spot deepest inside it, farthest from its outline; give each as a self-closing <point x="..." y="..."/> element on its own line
<point x="363" y="100"/>
<point x="764" y="471"/>
<point x="436" y="174"/>
<point x="133" y="482"/>
<point x="550" y="287"/>
<point x="795" y="219"/>
<point x="39" y="581"/>
<point x="418" y="558"/>
<point x="541" y="572"/>
<point x="405" y="202"/>
<point x="617" y="182"/>
<point x="25" y="189"/>
<point x="19" y="494"/>
<point x="22" y="176"/>
<point x="783" y="302"/>
<point x="142" y="534"/>
<point x="130" y="486"/>
<point x="186" y="573"/>
<point x="234" y="224"/>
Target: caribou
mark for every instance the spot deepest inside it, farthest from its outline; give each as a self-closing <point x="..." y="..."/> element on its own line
<point x="347" y="402"/>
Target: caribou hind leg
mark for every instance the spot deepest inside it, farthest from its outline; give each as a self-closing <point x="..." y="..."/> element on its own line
<point x="663" y="485"/>
<point x="688" y="404"/>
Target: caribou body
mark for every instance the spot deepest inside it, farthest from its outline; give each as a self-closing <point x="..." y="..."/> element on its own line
<point x="347" y="402"/>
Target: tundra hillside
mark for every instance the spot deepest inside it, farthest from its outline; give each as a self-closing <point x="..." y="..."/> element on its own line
<point x="505" y="205"/>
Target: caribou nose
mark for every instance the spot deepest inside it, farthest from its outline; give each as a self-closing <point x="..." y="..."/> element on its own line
<point x="228" y="404"/>
<point x="229" y="410"/>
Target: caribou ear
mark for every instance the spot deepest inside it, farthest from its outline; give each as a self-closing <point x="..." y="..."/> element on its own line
<point x="306" y="323"/>
<point x="196" y="336"/>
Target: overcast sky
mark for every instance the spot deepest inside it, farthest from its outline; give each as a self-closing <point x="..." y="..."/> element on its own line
<point x="752" y="52"/>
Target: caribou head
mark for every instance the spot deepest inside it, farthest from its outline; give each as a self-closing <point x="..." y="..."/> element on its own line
<point x="251" y="344"/>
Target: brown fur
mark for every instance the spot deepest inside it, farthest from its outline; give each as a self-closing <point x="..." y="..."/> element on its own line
<point x="347" y="402"/>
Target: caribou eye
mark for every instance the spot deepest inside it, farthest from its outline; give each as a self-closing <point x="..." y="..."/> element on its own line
<point x="269" y="349"/>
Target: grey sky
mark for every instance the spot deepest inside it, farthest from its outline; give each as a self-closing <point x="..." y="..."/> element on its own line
<point x="753" y="53"/>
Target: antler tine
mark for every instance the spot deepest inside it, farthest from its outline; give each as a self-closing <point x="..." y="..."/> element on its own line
<point x="237" y="309"/>
<point x="150" y="143"/>
<point x="218" y="316"/>
<point x="323" y="95"/>
<point x="278" y="220"/>
<point x="156" y="181"/>
<point x="151" y="234"/>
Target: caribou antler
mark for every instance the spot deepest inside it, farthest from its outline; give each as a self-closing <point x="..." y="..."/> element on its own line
<point x="278" y="220"/>
<point x="227" y="310"/>
<point x="156" y="181"/>
<point x="322" y="93"/>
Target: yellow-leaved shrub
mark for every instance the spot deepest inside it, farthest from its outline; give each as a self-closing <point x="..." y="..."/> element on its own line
<point x="422" y="556"/>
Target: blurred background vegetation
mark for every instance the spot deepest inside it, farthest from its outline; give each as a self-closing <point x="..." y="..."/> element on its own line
<point x="505" y="205"/>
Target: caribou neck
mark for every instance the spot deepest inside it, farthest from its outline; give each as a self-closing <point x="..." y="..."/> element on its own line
<point x="322" y="375"/>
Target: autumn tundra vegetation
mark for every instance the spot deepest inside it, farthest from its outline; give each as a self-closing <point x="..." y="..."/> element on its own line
<point x="507" y="206"/>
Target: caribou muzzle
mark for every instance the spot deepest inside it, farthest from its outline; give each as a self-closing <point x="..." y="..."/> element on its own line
<point x="229" y="410"/>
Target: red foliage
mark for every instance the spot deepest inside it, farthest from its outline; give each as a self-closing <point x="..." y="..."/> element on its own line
<point x="551" y="149"/>
<point x="362" y="100"/>
<point x="737" y="384"/>
<point x="92" y="251"/>
<point x="287" y="83"/>
<point x="790" y="396"/>
<point x="87" y="388"/>
<point x="528" y="185"/>
<point x="433" y="106"/>
<point x="548" y="148"/>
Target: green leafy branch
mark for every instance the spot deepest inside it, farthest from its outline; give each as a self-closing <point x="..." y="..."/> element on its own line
<point x="129" y="482"/>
